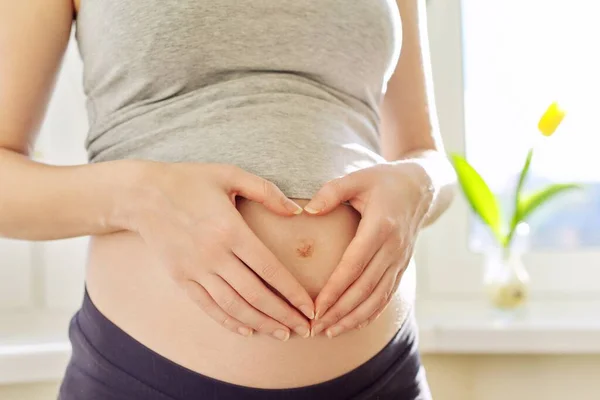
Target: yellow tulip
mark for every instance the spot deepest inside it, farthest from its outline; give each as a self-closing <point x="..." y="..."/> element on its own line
<point x="551" y="119"/>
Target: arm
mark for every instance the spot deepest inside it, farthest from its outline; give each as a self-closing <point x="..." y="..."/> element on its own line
<point x="44" y="202"/>
<point x="37" y="201"/>
<point x="409" y="128"/>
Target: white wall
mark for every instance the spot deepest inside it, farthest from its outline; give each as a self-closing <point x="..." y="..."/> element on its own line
<point x="40" y="391"/>
<point x="514" y="377"/>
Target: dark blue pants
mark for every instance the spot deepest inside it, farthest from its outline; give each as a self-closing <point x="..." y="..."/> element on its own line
<point x="108" y="364"/>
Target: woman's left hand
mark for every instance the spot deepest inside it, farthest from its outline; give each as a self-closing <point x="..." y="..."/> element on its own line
<point x="393" y="200"/>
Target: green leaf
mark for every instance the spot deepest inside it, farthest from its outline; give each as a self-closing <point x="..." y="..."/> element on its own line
<point x="530" y="203"/>
<point x="478" y="194"/>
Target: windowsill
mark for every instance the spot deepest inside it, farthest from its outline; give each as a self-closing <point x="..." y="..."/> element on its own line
<point x="548" y="327"/>
<point x="34" y="347"/>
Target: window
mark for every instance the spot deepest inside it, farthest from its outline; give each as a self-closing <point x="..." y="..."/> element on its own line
<point x="506" y="61"/>
<point x="48" y="276"/>
<point x="512" y="72"/>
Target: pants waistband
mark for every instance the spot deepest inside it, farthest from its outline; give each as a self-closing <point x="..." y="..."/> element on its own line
<point x="99" y="336"/>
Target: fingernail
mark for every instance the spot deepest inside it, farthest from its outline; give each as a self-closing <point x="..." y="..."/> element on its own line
<point x="334" y="331"/>
<point x="302" y="331"/>
<point x="317" y="329"/>
<point x="293" y="207"/>
<point x="314" y="207"/>
<point x="244" y="331"/>
<point x="281" y="335"/>
<point x="321" y="312"/>
<point x="308" y="311"/>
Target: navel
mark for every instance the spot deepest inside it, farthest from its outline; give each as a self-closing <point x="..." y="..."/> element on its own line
<point x="306" y="248"/>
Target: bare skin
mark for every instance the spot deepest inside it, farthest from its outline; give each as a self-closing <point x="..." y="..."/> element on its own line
<point x="145" y="272"/>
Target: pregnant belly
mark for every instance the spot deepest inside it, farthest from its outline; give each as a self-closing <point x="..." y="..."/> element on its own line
<point x="135" y="293"/>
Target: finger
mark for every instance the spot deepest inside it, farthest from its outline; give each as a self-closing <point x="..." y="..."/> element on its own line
<point x="234" y="305"/>
<point x="406" y="264"/>
<point x="370" y="236"/>
<point x="335" y="192"/>
<point x="252" y="251"/>
<point x="200" y="296"/>
<point x="378" y="312"/>
<point x="262" y="191"/>
<point x="250" y="287"/>
<point x="378" y="299"/>
<point x="360" y="290"/>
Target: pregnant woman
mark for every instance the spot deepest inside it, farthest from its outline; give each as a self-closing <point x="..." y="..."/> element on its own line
<point x="259" y="172"/>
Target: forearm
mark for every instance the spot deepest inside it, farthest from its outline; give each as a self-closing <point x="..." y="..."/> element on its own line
<point x="44" y="202"/>
<point x="409" y="119"/>
<point x="410" y="133"/>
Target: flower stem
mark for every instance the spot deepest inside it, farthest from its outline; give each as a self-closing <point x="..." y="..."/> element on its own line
<point x="516" y="212"/>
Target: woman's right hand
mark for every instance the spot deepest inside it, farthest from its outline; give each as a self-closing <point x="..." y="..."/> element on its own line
<point x="190" y="222"/>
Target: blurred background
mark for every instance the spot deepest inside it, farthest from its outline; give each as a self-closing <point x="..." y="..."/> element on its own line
<point x="496" y="65"/>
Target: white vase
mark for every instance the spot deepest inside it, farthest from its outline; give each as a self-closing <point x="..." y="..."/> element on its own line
<point x="506" y="281"/>
<point x="505" y="278"/>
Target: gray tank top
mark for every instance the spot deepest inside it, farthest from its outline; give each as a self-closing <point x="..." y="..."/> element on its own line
<point x="286" y="89"/>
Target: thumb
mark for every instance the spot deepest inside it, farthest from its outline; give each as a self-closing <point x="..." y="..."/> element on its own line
<point x="262" y="191"/>
<point x="335" y="192"/>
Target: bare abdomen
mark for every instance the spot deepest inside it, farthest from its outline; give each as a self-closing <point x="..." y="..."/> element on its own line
<point x="135" y="292"/>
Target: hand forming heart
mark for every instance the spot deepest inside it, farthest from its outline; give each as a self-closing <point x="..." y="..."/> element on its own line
<point x="393" y="201"/>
